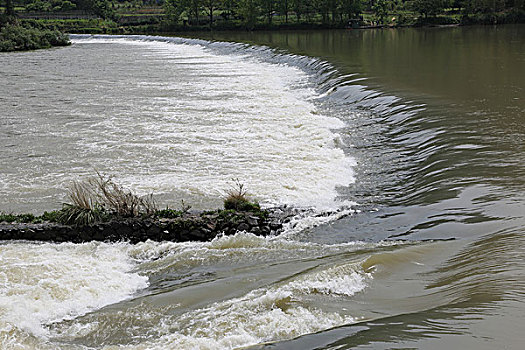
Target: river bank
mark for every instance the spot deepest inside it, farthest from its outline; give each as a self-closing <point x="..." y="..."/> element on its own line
<point x="159" y="25"/>
<point x="15" y="36"/>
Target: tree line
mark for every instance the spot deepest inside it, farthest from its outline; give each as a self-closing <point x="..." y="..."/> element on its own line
<point x="252" y="12"/>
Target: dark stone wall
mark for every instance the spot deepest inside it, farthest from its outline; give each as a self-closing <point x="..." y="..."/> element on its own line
<point x="189" y="227"/>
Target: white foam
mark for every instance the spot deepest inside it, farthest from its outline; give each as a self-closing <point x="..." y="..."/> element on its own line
<point x="241" y="249"/>
<point x="267" y="314"/>
<point x="62" y="282"/>
<point x="45" y="283"/>
<point x="179" y="119"/>
<point x="310" y="218"/>
<point x="338" y="280"/>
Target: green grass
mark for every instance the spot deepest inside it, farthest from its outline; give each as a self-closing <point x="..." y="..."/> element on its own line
<point x="52" y="216"/>
<point x="169" y="213"/>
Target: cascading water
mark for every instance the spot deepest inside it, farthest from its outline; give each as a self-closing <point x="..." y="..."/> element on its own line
<point x="181" y="118"/>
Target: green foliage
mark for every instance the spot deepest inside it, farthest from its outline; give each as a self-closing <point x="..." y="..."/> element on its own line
<point x="50" y="6"/>
<point x="169" y="213"/>
<point x="26" y="218"/>
<point x="352" y="8"/>
<point x="97" y="200"/>
<point x="249" y="11"/>
<point x="102" y="8"/>
<point x="240" y="204"/>
<point x="237" y="199"/>
<point x="428" y="8"/>
<point x="88" y="26"/>
<point x="30" y="218"/>
<point x="267" y="8"/>
<point x="380" y="9"/>
<point x="50" y="216"/>
<point x="18" y="38"/>
<point x="173" y="10"/>
<point x="175" y="15"/>
<point x="8" y="217"/>
<point x="9" y="8"/>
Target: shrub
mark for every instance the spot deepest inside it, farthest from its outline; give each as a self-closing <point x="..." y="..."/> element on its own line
<point x="8" y="217"/>
<point x="29" y="218"/>
<point x="19" y="38"/>
<point x="26" y="218"/>
<point x="51" y="216"/>
<point x="76" y="215"/>
<point x="168" y="213"/>
<point x="101" y="193"/>
<point x="237" y="199"/>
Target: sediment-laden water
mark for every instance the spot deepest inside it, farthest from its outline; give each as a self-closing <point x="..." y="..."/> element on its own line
<point x="426" y="250"/>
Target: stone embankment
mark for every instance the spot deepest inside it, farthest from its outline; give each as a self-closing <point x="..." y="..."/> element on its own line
<point x="187" y="227"/>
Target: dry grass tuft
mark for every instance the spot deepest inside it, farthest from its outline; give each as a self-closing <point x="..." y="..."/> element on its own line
<point x="101" y="194"/>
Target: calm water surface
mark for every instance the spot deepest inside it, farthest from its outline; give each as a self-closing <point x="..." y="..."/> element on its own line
<point x="417" y="136"/>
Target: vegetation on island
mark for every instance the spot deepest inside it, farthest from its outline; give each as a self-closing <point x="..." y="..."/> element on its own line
<point x="16" y="35"/>
<point x="99" y="199"/>
<point x="152" y="16"/>
<point x="237" y="199"/>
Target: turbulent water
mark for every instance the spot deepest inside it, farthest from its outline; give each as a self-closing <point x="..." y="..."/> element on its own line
<point x="166" y="118"/>
<point x="412" y="233"/>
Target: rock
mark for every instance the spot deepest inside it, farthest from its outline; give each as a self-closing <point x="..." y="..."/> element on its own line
<point x="276" y="226"/>
<point x="252" y="221"/>
<point x="189" y="226"/>
<point x="243" y="227"/>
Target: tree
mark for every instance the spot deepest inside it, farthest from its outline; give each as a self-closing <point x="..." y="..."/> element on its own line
<point x="249" y="11"/>
<point x="103" y="9"/>
<point x="322" y="7"/>
<point x="210" y="6"/>
<point x="284" y="7"/>
<point x="267" y="7"/>
<point x="333" y="8"/>
<point x="380" y="9"/>
<point x="229" y="7"/>
<point x="299" y="7"/>
<point x="352" y="8"/>
<point x="428" y="7"/>
<point x="173" y="10"/>
<point x="9" y="8"/>
<point x="193" y="9"/>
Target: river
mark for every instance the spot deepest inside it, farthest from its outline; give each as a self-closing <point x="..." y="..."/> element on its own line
<point x="406" y="148"/>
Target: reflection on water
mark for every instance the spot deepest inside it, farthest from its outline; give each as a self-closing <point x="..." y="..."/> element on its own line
<point x="470" y="66"/>
<point x="445" y="161"/>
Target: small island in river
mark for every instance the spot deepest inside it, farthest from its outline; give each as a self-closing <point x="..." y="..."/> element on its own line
<point x="101" y="210"/>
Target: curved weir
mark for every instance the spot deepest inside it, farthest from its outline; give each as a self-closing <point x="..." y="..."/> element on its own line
<point x="407" y="229"/>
